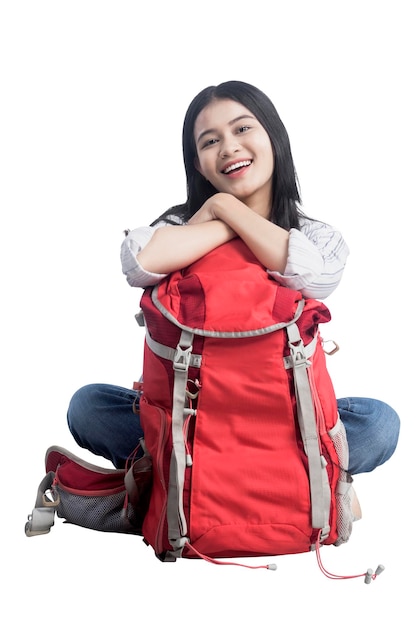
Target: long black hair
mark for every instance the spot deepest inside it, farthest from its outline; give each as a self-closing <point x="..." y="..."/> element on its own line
<point x="285" y="211"/>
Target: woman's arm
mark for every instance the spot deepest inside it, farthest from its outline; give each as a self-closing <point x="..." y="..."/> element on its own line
<point x="174" y="247"/>
<point x="267" y="241"/>
<point x="149" y="253"/>
<point x="221" y="218"/>
<point x="316" y="260"/>
<point x="310" y="260"/>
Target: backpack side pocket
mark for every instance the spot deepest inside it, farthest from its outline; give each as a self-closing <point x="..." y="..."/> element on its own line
<point x="348" y="507"/>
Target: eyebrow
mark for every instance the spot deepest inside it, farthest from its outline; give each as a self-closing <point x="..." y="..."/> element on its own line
<point x="213" y="130"/>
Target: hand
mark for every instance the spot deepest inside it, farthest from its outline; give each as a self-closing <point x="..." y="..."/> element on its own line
<point x="208" y="210"/>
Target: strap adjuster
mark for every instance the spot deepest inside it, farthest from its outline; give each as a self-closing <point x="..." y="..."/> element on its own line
<point x="297" y="353"/>
<point x="181" y="360"/>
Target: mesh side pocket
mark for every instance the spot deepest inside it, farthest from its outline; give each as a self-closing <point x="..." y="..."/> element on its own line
<point x="348" y="509"/>
<point x="106" y="513"/>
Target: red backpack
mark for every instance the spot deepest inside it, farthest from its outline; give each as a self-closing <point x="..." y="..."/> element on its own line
<point x="239" y="415"/>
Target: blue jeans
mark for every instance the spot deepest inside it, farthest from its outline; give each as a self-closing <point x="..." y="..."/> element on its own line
<point x="102" y="420"/>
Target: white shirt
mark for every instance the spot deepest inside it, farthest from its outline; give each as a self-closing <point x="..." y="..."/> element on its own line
<point x="315" y="263"/>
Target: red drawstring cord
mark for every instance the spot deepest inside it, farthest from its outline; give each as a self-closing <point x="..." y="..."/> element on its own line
<point x="271" y="566"/>
<point x="368" y="576"/>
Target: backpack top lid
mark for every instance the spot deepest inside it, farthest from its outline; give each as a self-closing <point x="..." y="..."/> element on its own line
<point x="229" y="291"/>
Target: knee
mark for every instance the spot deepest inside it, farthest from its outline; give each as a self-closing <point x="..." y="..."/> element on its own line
<point x="82" y="406"/>
<point x="384" y="432"/>
<point x="372" y="428"/>
<point x="388" y="428"/>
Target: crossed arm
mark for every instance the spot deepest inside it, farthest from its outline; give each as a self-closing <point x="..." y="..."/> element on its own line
<point x="221" y="218"/>
<point x="310" y="260"/>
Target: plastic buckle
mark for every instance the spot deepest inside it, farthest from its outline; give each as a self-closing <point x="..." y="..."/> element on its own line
<point x="181" y="358"/>
<point x="40" y="522"/>
<point x="297" y="353"/>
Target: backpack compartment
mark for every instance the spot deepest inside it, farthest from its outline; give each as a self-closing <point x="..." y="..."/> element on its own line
<point x="249" y="490"/>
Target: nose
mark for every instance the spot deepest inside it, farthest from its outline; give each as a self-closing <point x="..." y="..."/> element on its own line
<point x="228" y="146"/>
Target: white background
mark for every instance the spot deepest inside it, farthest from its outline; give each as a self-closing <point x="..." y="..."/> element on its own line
<point x="93" y="96"/>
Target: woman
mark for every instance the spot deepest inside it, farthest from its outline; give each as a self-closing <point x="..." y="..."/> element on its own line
<point x="241" y="182"/>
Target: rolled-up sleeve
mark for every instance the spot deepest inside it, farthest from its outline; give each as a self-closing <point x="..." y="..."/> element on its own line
<point x="316" y="260"/>
<point x="133" y="243"/>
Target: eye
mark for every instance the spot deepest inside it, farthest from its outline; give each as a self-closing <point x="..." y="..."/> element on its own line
<point x="243" y="129"/>
<point x="209" y="142"/>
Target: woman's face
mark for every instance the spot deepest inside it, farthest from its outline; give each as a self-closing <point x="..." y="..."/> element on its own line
<point x="234" y="153"/>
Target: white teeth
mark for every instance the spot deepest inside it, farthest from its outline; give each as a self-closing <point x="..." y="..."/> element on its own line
<point x="235" y="166"/>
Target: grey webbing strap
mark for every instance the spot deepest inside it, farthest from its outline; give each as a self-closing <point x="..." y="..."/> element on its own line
<point x="144" y="464"/>
<point x="318" y="476"/>
<point x="176" y="520"/>
<point x="41" y="520"/>
<point x="165" y="352"/>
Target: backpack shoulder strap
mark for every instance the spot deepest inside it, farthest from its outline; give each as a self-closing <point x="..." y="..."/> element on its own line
<point x="318" y="477"/>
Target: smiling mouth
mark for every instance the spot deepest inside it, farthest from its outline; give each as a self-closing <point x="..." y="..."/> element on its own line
<point x="236" y="166"/>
